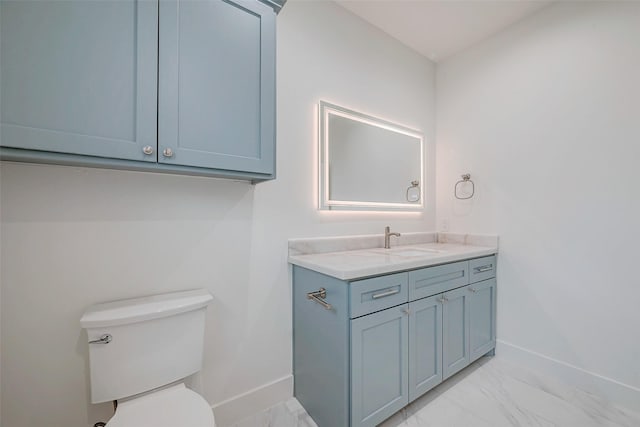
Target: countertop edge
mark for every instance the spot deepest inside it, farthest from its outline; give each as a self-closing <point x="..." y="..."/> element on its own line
<point x="409" y="264"/>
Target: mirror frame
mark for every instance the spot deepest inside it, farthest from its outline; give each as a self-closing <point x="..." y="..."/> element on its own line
<point x="324" y="202"/>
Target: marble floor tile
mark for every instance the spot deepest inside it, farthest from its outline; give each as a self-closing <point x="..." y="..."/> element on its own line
<point x="489" y="393"/>
<point x="285" y="414"/>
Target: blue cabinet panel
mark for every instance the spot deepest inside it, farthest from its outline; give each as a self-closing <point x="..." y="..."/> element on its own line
<point x="425" y="346"/>
<point x="455" y="331"/>
<point x="379" y="365"/>
<point x="482" y="318"/>
<point x="217" y="85"/>
<point x="434" y="280"/>
<point x="377" y="293"/>
<point x="482" y="268"/>
<point x="79" y="77"/>
<point x="321" y="348"/>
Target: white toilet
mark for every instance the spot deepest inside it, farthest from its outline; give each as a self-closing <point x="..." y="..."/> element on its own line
<point x="140" y="350"/>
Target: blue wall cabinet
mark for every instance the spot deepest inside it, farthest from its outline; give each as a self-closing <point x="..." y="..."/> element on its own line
<point x="384" y="341"/>
<point x="217" y="84"/>
<point x="79" y="77"/>
<point x="166" y="86"/>
<point x="379" y="365"/>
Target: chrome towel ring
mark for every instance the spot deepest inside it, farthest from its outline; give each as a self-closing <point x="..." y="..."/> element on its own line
<point x="466" y="178"/>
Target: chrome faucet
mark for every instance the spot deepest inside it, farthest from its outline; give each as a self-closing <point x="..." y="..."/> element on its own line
<point x="387" y="237"/>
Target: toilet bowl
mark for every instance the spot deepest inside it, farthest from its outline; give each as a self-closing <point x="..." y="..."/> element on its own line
<point x="140" y="351"/>
<point x="176" y="406"/>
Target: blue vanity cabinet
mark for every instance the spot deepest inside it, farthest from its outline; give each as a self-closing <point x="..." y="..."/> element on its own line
<point x="216" y="76"/>
<point x="79" y="77"/>
<point x="379" y="365"/>
<point x="184" y="87"/>
<point x="383" y="341"/>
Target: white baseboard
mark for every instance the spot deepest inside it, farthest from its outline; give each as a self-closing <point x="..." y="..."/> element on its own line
<point x="621" y="394"/>
<point x="244" y="405"/>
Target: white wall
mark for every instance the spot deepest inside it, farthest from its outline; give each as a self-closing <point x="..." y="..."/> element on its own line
<point x="545" y="118"/>
<point x="72" y="237"/>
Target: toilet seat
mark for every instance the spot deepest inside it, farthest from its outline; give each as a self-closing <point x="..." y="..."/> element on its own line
<point x="176" y="406"/>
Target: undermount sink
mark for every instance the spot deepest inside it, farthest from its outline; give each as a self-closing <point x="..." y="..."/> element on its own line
<point x="408" y="251"/>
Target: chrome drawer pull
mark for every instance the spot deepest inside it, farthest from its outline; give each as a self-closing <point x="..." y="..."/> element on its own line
<point x="483" y="268"/>
<point x="386" y="293"/>
<point x="319" y="296"/>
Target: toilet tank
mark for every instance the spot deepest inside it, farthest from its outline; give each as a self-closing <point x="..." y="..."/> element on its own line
<point x="153" y="341"/>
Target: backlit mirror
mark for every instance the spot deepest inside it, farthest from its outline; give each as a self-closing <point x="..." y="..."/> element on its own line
<point x="367" y="163"/>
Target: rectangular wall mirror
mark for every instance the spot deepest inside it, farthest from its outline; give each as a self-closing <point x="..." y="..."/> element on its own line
<point x="367" y="163"/>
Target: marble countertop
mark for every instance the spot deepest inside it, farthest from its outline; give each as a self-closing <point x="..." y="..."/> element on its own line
<point x="372" y="261"/>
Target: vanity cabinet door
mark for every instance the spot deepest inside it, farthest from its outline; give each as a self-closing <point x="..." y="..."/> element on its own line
<point x="79" y="77"/>
<point x="216" y="104"/>
<point x="455" y="331"/>
<point x="379" y="365"/>
<point x="482" y="318"/>
<point x="425" y="345"/>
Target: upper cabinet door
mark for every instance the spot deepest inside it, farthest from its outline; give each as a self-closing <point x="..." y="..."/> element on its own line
<point x="79" y="77"/>
<point x="217" y="85"/>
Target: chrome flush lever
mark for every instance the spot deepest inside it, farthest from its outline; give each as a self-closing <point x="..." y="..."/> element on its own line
<point x="105" y="339"/>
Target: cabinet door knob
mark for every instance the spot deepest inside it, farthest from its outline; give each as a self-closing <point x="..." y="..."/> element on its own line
<point x="443" y="299"/>
<point x="406" y="311"/>
<point x="167" y="152"/>
<point x="473" y="290"/>
<point x="147" y="149"/>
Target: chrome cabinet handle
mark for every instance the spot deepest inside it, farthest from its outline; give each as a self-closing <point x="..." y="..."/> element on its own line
<point x="105" y="339"/>
<point x="473" y="290"/>
<point x="406" y="311"/>
<point x="148" y="150"/>
<point x="443" y="299"/>
<point x="386" y="293"/>
<point x="483" y="268"/>
<point x="319" y="296"/>
<point x="167" y="152"/>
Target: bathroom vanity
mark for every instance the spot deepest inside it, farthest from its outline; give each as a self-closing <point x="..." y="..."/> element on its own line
<point x="376" y="328"/>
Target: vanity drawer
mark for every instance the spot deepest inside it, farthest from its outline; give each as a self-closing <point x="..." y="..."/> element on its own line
<point x="482" y="268"/>
<point x="434" y="280"/>
<point x="377" y="293"/>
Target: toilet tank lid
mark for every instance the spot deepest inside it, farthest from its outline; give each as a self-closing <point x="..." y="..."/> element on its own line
<point x="140" y="309"/>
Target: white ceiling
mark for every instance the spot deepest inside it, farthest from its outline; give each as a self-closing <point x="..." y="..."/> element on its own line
<point x="440" y="28"/>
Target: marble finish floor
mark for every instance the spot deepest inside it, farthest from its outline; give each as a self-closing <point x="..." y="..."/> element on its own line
<point x="490" y="393"/>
